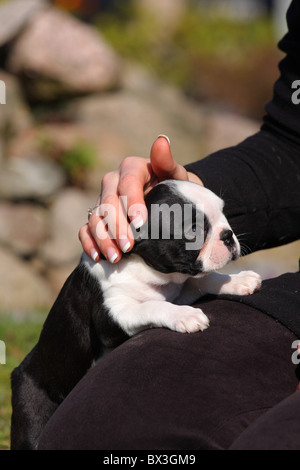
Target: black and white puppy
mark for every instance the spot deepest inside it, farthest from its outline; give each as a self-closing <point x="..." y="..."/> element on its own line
<point x="173" y="263"/>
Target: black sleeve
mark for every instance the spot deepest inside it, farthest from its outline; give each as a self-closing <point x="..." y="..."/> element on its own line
<point x="259" y="179"/>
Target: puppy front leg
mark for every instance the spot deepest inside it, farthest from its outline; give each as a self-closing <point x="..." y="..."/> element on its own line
<point x="135" y="317"/>
<point x="243" y="283"/>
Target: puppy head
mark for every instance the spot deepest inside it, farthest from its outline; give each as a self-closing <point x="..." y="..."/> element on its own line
<point x="186" y="230"/>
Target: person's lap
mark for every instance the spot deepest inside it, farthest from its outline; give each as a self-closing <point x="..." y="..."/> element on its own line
<point x="167" y="390"/>
<point x="278" y="429"/>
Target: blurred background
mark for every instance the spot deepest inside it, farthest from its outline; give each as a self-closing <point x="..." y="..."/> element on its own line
<point x="89" y="82"/>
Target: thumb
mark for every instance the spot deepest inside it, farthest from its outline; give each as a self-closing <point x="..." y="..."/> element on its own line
<point x="162" y="162"/>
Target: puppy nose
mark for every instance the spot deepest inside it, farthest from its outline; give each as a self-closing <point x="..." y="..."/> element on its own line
<point x="227" y="237"/>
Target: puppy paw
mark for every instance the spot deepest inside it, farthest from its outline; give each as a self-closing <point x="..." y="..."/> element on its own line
<point x="243" y="283"/>
<point x="190" y="320"/>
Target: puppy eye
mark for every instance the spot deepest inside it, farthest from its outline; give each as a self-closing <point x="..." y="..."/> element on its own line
<point x="194" y="229"/>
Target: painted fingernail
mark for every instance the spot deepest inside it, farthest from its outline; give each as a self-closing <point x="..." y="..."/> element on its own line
<point x="94" y="254"/>
<point x="124" y="244"/>
<point x="137" y="222"/>
<point x="164" y="137"/>
<point x="111" y="255"/>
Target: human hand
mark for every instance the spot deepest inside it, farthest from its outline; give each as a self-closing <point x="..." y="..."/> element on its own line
<point x="121" y="201"/>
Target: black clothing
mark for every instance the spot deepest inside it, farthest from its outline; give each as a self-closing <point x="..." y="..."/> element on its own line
<point x="259" y="179"/>
<point x="165" y="390"/>
<point x="278" y="429"/>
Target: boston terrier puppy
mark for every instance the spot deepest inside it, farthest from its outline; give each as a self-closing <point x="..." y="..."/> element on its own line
<point x="172" y="264"/>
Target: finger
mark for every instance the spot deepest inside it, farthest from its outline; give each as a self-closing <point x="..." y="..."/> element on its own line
<point x="88" y="243"/>
<point x="107" y="245"/>
<point x="113" y="212"/>
<point x="93" y="249"/>
<point x="162" y="162"/>
<point x="135" y="176"/>
<point x="97" y="235"/>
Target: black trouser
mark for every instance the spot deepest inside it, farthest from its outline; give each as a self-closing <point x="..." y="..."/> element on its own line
<point x="278" y="429"/>
<point x="173" y="391"/>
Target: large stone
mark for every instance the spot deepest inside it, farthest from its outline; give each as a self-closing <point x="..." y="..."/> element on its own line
<point x="23" y="227"/>
<point x="127" y="122"/>
<point x="49" y="139"/>
<point x="34" y="179"/>
<point x="14" y="16"/>
<point x="167" y="13"/>
<point x="223" y="129"/>
<point x="15" y="115"/>
<point x="21" y="289"/>
<point x="59" y="55"/>
<point x="57" y="275"/>
<point x="67" y="214"/>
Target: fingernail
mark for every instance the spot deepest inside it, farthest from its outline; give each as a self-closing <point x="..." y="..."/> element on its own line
<point x="164" y="137"/>
<point x="111" y="255"/>
<point x="124" y="244"/>
<point x="137" y="222"/>
<point x="94" y="254"/>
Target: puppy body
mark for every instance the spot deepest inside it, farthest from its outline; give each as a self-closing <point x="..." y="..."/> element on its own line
<point x="103" y="304"/>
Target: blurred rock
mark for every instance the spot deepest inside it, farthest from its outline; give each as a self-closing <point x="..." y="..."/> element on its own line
<point x="67" y="214"/>
<point x="23" y="227"/>
<point x="57" y="276"/>
<point x="50" y="139"/>
<point x="166" y="12"/>
<point x="14" y="16"/>
<point x="15" y="115"/>
<point x="127" y="121"/>
<point x="69" y="57"/>
<point x="26" y="144"/>
<point x="224" y="129"/>
<point x="34" y="179"/>
<point x="21" y="288"/>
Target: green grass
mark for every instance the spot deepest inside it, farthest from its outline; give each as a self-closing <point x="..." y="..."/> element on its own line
<point x="19" y="333"/>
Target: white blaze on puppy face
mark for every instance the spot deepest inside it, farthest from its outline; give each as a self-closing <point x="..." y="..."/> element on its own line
<point x="214" y="254"/>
